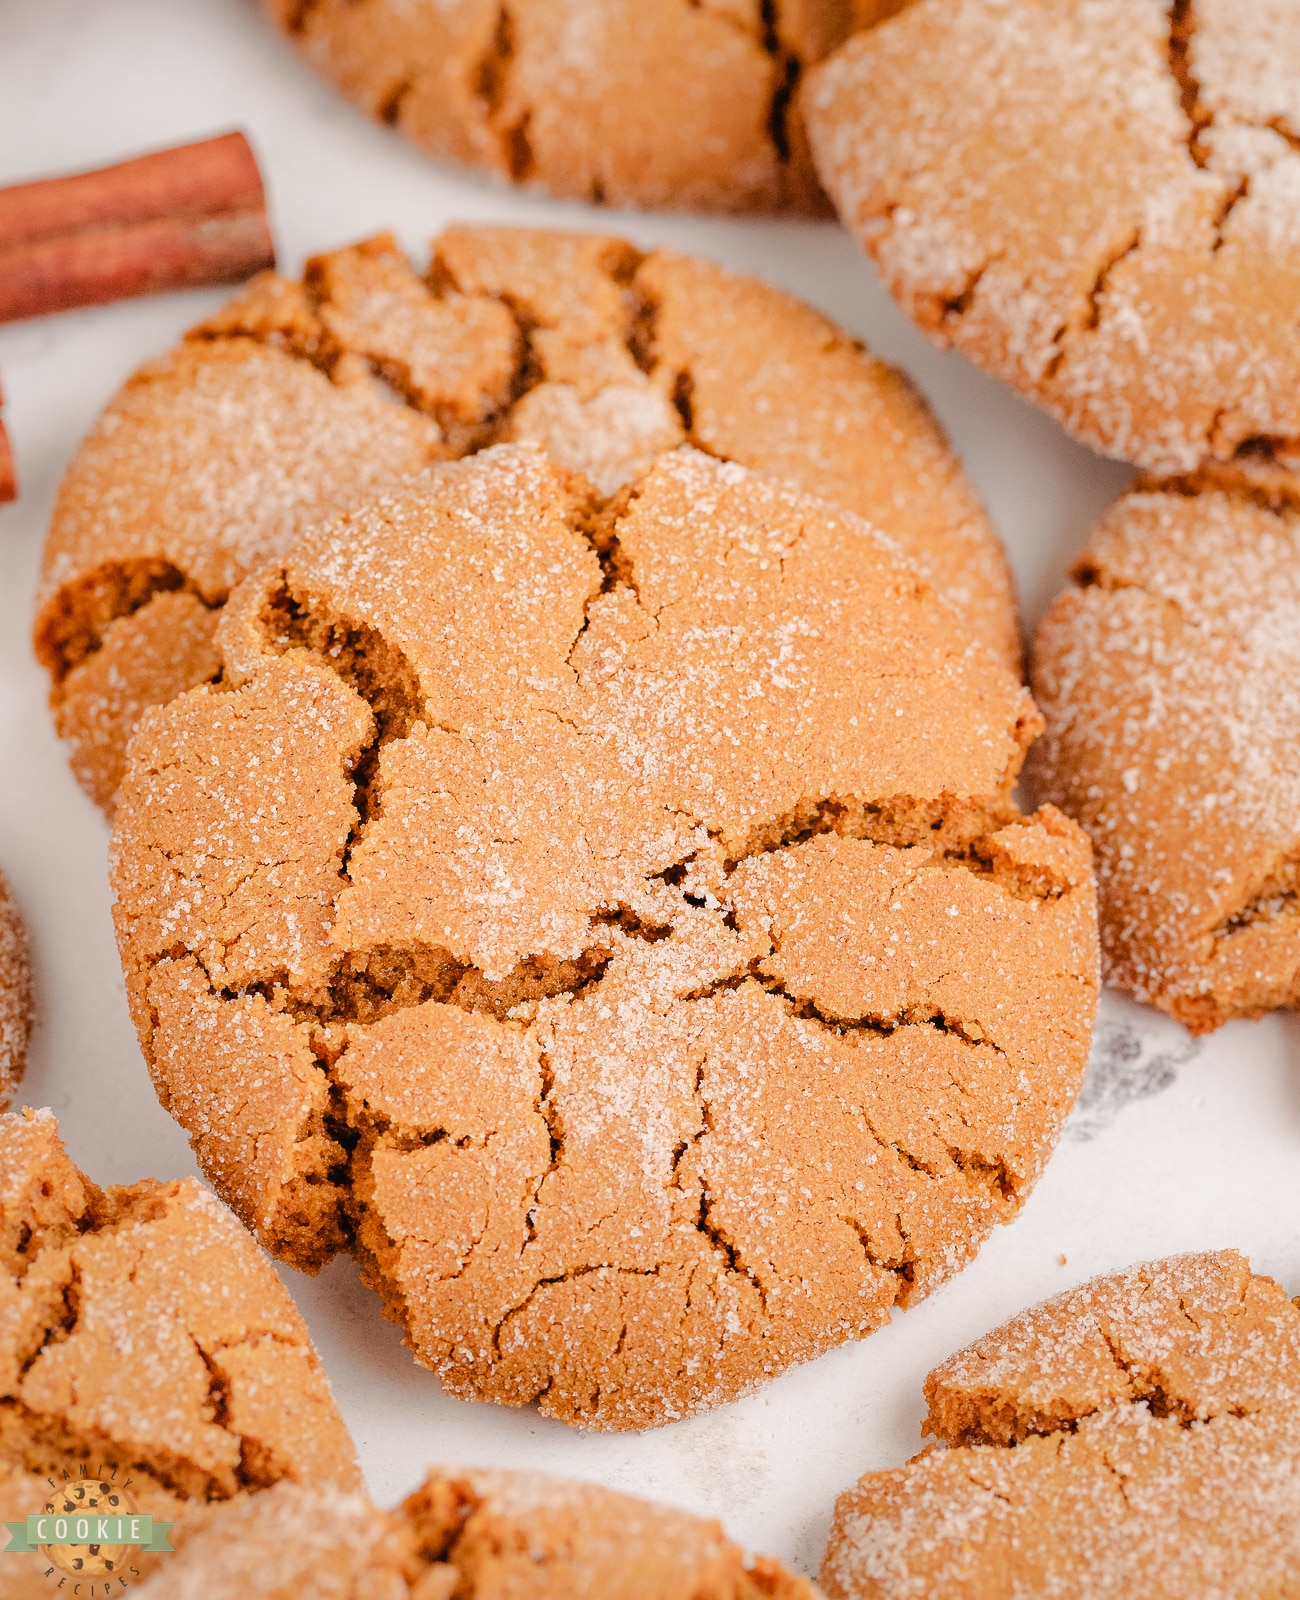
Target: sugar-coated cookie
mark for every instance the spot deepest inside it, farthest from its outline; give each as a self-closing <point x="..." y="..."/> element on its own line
<point x="612" y="921"/>
<point x="144" y="1340"/>
<point x="15" y="993"/>
<point x="1137" y="1438"/>
<point x="473" y="1535"/>
<point x="631" y="102"/>
<point x="303" y="399"/>
<point x="1097" y="200"/>
<point x="1169" y="674"/>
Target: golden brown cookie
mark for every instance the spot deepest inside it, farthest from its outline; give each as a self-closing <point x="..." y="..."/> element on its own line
<point x="683" y="103"/>
<point x="612" y="921"/>
<point x="1134" y="1439"/>
<point x="1168" y="675"/>
<point x="475" y="1535"/>
<point x="301" y="400"/>
<point x="145" y="1340"/>
<point x="15" y="993"/>
<point x="1096" y="200"/>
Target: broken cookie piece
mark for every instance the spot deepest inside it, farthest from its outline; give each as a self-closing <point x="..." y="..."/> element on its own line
<point x="301" y="400"/>
<point x="478" y="1535"/>
<point x="1134" y="1439"/>
<point x="612" y="921"/>
<point x="1168" y="676"/>
<point x="144" y="1339"/>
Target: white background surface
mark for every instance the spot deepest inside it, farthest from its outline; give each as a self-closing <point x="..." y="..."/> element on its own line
<point x="1175" y="1145"/>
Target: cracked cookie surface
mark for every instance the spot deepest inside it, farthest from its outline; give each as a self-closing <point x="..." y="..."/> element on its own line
<point x="143" y="1336"/>
<point x="630" y="102"/>
<point x="1132" y="1439"/>
<point x="1096" y="200"/>
<point x="610" y="920"/>
<point x="15" y="993"/>
<point x="1167" y="675"/>
<point x="301" y="400"/>
<point x="475" y="1535"/>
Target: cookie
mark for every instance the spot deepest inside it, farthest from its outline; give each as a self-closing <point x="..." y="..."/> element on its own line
<point x="1093" y="199"/>
<point x="144" y="1341"/>
<point x="477" y="1535"/>
<point x="280" y="412"/>
<point x="628" y="102"/>
<point x="1131" y="1439"/>
<point x="612" y="922"/>
<point x="1167" y="674"/>
<point x="15" y="994"/>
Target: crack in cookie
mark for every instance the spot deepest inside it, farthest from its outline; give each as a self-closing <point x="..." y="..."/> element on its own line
<point x="611" y="922"/>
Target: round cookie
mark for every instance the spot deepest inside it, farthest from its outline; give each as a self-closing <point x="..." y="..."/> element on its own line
<point x="1168" y="677"/>
<point x="476" y="1535"/>
<point x="1096" y="200"/>
<point x="612" y="921"/>
<point x="629" y="102"/>
<point x="1134" y="1439"/>
<point x="144" y="1339"/>
<point x="279" y="412"/>
<point x="15" y="994"/>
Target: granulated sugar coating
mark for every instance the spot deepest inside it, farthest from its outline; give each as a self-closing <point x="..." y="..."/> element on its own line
<point x="15" y="994"/>
<point x="146" y="1340"/>
<point x="612" y="922"/>
<point x="630" y="102"/>
<point x="302" y="400"/>
<point x="1170" y="678"/>
<point x="472" y="1535"/>
<point x="1134" y="1439"/>
<point x="1097" y="200"/>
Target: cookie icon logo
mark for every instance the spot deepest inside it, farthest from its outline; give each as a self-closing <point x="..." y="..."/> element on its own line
<point x="84" y="1506"/>
<point x="91" y="1529"/>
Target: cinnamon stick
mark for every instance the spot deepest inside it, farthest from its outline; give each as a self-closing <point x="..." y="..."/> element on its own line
<point x="170" y="220"/>
<point x="8" y="476"/>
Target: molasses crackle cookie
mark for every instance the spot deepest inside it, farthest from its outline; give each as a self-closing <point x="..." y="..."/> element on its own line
<point x="1134" y="1439"/>
<point x="1097" y="200"/>
<point x="15" y="993"/>
<point x="634" y="102"/>
<point x="148" y="1352"/>
<point x="470" y="1535"/>
<point x="611" y="920"/>
<point x="280" y="411"/>
<point x="1169" y="675"/>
